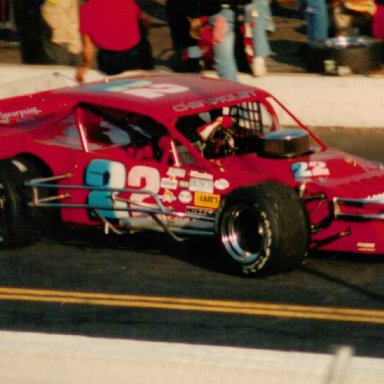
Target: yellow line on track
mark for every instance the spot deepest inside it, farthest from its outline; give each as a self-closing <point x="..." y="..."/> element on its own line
<point x="188" y="304"/>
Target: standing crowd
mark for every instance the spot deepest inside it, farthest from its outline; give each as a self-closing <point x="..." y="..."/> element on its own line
<point x="69" y="32"/>
<point x="209" y="28"/>
<point x="113" y="34"/>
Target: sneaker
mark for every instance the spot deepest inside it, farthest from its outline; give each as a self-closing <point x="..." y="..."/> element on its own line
<point x="258" y="67"/>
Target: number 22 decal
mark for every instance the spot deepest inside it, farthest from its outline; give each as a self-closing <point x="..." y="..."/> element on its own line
<point x="310" y="169"/>
<point x="112" y="174"/>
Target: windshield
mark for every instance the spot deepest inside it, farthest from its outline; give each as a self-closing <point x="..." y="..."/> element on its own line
<point x="237" y="129"/>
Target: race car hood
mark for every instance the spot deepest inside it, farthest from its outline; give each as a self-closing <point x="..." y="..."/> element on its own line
<point x="345" y="176"/>
<point x="332" y="172"/>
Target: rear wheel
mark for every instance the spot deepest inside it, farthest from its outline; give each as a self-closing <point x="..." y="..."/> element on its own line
<point x="18" y="222"/>
<point x="263" y="229"/>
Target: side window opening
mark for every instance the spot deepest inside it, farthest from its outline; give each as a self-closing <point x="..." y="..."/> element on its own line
<point x="141" y="137"/>
<point x="228" y="130"/>
<point x="63" y="133"/>
<point x="150" y="139"/>
<point x="252" y="116"/>
<point x="103" y="128"/>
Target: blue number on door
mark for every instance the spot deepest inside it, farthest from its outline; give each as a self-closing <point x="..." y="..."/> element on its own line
<point x="109" y="174"/>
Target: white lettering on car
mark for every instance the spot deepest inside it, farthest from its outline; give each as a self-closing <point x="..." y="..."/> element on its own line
<point x="241" y="95"/>
<point x="6" y="117"/>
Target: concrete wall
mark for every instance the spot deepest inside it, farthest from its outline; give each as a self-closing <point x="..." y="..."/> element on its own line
<point x="31" y="358"/>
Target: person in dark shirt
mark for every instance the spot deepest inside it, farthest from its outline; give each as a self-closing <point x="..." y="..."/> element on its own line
<point x="187" y="56"/>
<point x="29" y="26"/>
<point x="378" y="33"/>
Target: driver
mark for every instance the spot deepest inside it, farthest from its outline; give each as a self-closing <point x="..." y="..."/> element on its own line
<point x="217" y="137"/>
<point x="208" y="130"/>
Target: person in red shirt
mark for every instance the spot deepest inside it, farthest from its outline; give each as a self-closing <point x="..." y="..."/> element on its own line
<point x="378" y="21"/>
<point x="115" y="29"/>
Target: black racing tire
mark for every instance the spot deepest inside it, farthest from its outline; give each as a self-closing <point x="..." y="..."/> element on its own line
<point x="18" y="222"/>
<point x="263" y="229"/>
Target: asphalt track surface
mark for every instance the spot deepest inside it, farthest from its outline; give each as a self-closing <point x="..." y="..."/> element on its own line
<point x="147" y="287"/>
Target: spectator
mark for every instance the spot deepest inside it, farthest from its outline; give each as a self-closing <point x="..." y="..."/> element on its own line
<point x="316" y="17"/>
<point x="115" y="29"/>
<point x="223" y="16"/>
<point x="259" y="16"/>
<point x="187" y="53"/>
<point x="29" y="27"/>
<point x="4" y="11"/>
<point x="353" y="17"/>
<point x="378" y="20"/>
<point x="378" y="33"/>
<point x="62" y="43"/>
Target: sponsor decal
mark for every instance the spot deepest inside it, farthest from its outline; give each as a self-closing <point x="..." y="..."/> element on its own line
<point x="176" y="172"/>
<point x="177" y="219"/>
<point x="235" y="96"/>
<point x="378" y="196"/>
<point x="168" y="196"/>
<point x="168" y="183"/>
<point x="221" y="184"/>
<point x="207" y="200"/>
<point x="200" y="185"/>
<point x="185" y="197"/>
<point x="200" y="211"/>
<point x="6" y="117"/>
<point x="366" y="247"/>
<point x="184" y="184"/>
<point x="201" y="175"/>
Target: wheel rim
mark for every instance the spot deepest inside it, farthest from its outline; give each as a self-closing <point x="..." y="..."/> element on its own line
<point x="243" y="234"/>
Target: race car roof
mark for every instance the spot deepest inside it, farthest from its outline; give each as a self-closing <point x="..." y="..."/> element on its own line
<point x="164" y="96"/>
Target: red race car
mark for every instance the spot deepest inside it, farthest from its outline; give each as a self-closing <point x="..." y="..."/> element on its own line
<point x="185" y="155"/>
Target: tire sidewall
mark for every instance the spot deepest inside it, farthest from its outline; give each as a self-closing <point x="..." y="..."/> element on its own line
<point x="284" y="224"/>
<point x="16" y="225"/>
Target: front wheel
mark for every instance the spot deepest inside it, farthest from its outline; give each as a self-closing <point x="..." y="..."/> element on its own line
<point x="18" y="222"/>
<point x="263" y="229"/>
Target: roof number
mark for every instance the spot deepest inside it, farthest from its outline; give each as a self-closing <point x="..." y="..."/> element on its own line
<point x="154" y="91"/>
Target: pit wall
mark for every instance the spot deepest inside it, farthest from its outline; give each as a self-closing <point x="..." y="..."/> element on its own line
<point x="36" y="358"/>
